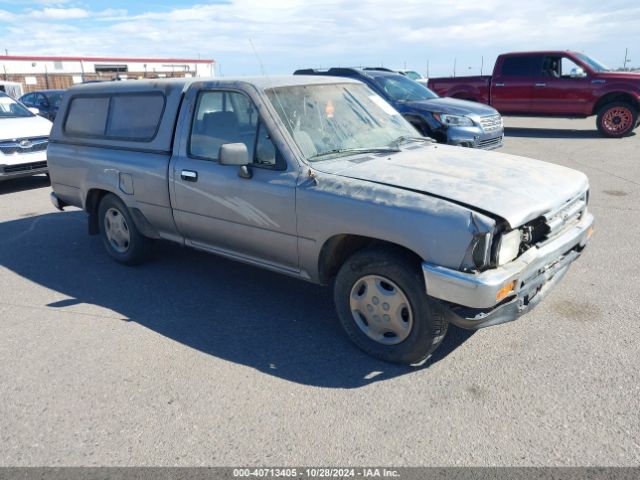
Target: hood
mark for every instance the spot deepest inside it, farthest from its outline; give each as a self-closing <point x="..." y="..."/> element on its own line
<point x="517" y="189"/>
<point x="24" y="127"/>
<point x="635" y="76"/>
<point x="453" y="106"/>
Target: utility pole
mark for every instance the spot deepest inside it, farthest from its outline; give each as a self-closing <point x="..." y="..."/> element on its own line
<point x="427" y="68"/>
<point x="481" y="64"/>
<point x="454" y="66"/>
<point x="626" y="59"/>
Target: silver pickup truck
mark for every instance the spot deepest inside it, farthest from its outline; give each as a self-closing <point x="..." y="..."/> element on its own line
<point x="319" y="178"/>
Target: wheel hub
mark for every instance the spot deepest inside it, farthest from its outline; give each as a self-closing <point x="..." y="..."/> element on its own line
<point x="117" y="230"/>
<point x="617" y="119"/>
<point x="381" y="310"/>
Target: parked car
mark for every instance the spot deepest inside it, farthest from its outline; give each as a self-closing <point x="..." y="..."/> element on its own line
<point x="46" y="101"/>
<point x="452" y="121"/>
<point x="553" y="83"/>
<point x="317" y="178"/>
<point x="23" y="140"/>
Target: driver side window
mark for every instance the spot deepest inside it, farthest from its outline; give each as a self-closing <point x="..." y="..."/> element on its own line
<point x="551" y="67"/>
<point x="223" y="117"/>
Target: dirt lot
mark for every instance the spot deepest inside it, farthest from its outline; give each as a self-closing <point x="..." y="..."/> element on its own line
<point x="195" y="360"/>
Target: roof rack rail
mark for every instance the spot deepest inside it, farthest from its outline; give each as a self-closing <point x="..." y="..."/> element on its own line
<point x="380" y="69"/>
<point x="329" y="71"/>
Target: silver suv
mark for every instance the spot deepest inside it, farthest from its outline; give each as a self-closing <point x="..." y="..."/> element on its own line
<point x="321" y="179"/>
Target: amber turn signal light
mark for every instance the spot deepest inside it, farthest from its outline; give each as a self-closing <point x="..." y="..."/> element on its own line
<point x="506" y="290"/>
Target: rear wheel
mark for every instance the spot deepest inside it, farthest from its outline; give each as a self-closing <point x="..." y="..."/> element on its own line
<point x="617" y="119"/>
<point x="383" y="307"/>
<point x="120" y="235"/>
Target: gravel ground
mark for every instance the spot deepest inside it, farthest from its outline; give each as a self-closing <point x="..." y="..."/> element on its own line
<point x="196" y="360"/>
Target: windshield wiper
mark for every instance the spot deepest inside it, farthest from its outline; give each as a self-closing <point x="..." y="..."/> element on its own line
<point x="338" y="151"/>
<point x="408" y="138"/>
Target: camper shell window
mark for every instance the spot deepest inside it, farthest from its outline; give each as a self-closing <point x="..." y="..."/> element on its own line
<point x="119" y="116"/>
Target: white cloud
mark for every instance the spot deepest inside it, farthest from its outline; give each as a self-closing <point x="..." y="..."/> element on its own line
<point x="54" y="13"/>
<point x="296" y="33"/>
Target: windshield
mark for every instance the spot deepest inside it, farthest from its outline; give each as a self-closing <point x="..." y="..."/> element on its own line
<point x="403" y="89"/>
<point x="9" y="108"/>
<point x="331" y="120"/>
<point x="594" y="64"/>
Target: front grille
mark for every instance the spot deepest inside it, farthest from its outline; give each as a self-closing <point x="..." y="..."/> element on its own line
<point x="490" y="143"/>
<point x="491" y="123"/>
<point x="25" y="167"/>
<point x="543" y="229"/>
<point x="569" y="214"/>
<point x="20" y="146"/>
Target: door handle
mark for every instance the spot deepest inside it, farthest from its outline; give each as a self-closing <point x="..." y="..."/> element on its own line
<point x="500" y="84"/>
<point x="189" y="175"/>
<point x="541" y="84"/>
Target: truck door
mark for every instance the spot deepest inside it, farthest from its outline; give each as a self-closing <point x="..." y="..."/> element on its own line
<point x="560" y="87"/>
<point x="511" y="85"/>
<point x="216" y="209"/>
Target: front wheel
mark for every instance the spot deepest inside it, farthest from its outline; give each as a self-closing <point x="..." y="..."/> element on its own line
<point x="617" y="119"/>
<point x="383" y="307"/>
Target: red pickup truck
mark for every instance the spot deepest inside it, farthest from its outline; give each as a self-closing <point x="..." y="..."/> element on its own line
<point x="553" y="83"/>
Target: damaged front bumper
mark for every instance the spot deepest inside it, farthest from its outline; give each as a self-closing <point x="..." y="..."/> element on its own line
<point x="473" y="300"/>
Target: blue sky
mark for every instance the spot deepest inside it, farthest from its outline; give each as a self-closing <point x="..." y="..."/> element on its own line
<point x="290" y="34"/>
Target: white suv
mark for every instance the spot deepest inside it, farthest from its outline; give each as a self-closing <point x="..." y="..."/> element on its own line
<point x="24" y="137"/>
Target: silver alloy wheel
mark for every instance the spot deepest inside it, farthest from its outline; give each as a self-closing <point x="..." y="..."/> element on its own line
<point x="381" y="309"/>
<point x="117" y="230"/>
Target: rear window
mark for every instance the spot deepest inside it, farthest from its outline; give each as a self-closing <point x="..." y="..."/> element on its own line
<point x="517" y="67"/>
<point x="132" y="117"/>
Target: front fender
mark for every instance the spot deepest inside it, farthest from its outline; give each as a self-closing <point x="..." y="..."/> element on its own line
<point x="436" y="230"/>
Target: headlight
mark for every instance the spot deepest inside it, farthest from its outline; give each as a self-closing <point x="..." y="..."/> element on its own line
<point x="457" y="120"/>
<point x="509" y="246"/>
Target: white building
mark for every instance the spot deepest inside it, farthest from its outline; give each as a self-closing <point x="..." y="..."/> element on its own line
<point x="36" y="73"/>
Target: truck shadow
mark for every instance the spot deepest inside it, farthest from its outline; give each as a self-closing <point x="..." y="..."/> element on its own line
<point x="21" y="184"/>
<point x="275" y="324"/>
<point x="523" y="132"/>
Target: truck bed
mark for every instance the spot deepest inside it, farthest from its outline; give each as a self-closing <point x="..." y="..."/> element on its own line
<point x="474" y="88"/>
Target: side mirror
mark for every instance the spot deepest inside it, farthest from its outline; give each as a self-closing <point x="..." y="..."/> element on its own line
<point x="34" y="110"/>
<point x="577" y="72"/>
<point x="233" y="154"/>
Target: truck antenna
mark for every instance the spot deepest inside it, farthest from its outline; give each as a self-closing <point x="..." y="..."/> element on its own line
<point x="275" y="93"/>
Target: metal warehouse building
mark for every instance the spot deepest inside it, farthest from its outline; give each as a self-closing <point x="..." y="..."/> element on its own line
<point x="37" y="73"/>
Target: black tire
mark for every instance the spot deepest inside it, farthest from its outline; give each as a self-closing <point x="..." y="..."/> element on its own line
<point x="429" y="325"/>
<point x="131" y="252"/>
<point x="617" y="119"/>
